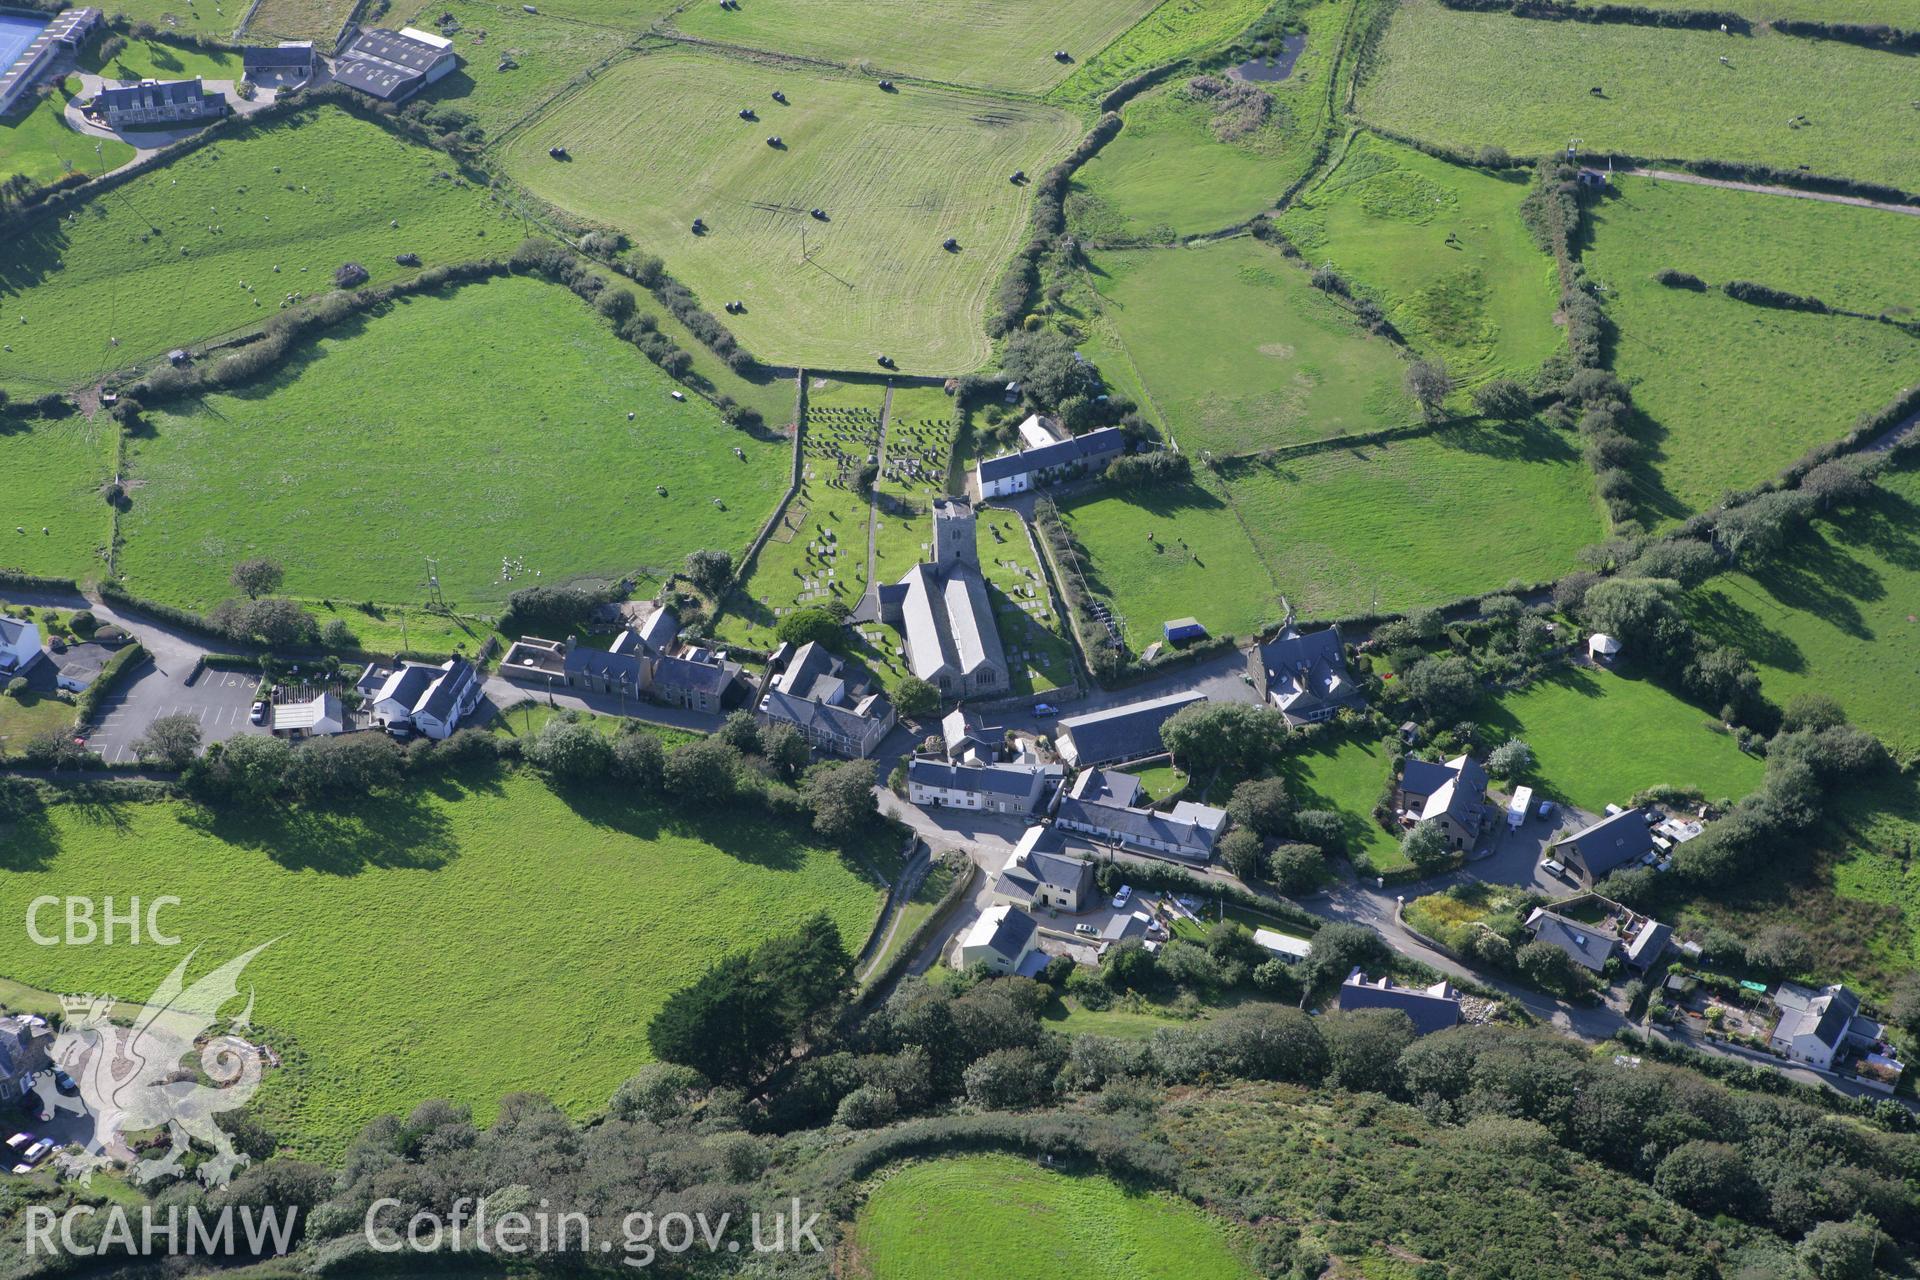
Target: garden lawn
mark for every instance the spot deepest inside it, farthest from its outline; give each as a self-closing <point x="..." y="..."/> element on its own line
<point x="1167" y="173"/>
<point x="1598" y="737"/>
<point x="1442" y="249"/>
<point x="54" y="469"/>
<point x="486" y="428"/>
<point x="316" y="20"/>
<point x="408" y="930"/>
<point x="1175" y="29"/>
<point x="1239" y="352"/>
<point x="1347" y="774"/>
<point x="1006" y="1217"/>
<point x="304" y="194"/>
<point x="547" y="54"/>
<point x="29" y="714"/>
<point x="1835" y="612"/>
<point x="39" y="143"/>
<point x="655" y="142"/>
<point x="991" y="44"/>
<point x="1469" y="79"/>
<point x="163" y="60"/>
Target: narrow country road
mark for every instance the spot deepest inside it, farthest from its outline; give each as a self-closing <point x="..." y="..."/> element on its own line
<point x="1728" y="184"/>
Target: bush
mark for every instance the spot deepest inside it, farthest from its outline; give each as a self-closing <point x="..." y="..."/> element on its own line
<point x="1296" y="868"/>
<point x="804" y="626"/>
<point x="1511" y="759"/>
<point x="1502" y="398"/>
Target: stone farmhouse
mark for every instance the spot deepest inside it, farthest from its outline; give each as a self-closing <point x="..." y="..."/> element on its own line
<point x="1107" y="807"/>
<point x="944" y="614"/>
<point x="1304" y="674"/>
<point x="153" y="103"/>
<point x="812" y="694"/>
<point x="1453" y="794"/>
<point x="1050" y="455"/>
<point x="649" y="662"/>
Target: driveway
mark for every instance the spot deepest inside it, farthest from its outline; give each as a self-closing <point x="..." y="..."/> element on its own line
<point x="502" y="694"/>
<point x="219" y="700"/>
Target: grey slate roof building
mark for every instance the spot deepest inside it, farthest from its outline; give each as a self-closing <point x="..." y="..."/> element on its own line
<point x="1101" y="805"/>
<point x="394" y="65"/>
<point x="1430" y="1009"/>
<point x="1304" y="673"/>
<point x="1591" y="852"/>
<point x="945" y="616"/>
<point x="1453" y="794"/>
<point x="26" y="1044"/>
<point x="1017" y="472"/>
<point x="1648" y="945"/>
<point x="288" y="55"/>
<point x="1589" y="946"/>
<point x="157" y="102"/>
<point x="1130" y="731"/>
<point x="1039" y="873"/>
<point x="813" y="695"/>
<point x="994" y="788"/>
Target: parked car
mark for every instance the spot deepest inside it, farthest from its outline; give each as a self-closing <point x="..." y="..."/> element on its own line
<point x="65" y="1083"/>
<point x="1120" y="898"/>
<point x="259" y="713"/>
<point x="1084" y="927"/>
<point x="400" y="730"/>
<point x="1553" y="867"/>
<point x="1045" y="710"/>
<point x="33" y="1155"/>
<point x="19" y="1142"/>
<point x="1546" y="808"/>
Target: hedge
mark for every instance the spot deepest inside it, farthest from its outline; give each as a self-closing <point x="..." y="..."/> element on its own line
<point x="917" y="941"/>
<point x="35" y="582"/>
<point x="90" y="697"/>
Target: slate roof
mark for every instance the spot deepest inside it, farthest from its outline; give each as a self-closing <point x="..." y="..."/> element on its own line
<point x="1611" y="842"/>
<point x="813" y="673"/>
<point x="1455" y="789"/>
<point x="622" y="664"/>
<point x="82" y="663"/>
<point x="996" y="779"/>
<point x="1590" y="946"/>
<point x="1188" y="826"/>
<point x="406" y="685"/>
<point x="449" y="687"/>
<point x="1104" y="442"/>
<point x="24" y="1044"/>
<point x="849" y="722"/>
<point x="1107" y="786"/>
<point x="1827" y="1014"/>
<point x="1307" y="670"/>
<point x="1036" y="861"/>
<point x="699" y="677"/>
<point x="1648" y="944"/>
<point x="948" y="621"/>
<point x="13" y="630"/>
<point x="660" y="630"/>
<point x="1004" y="929"/>
<point x="1433" y="1008"/>
<point x="1126" y="732"/>
<point x="151" y="93"/>
<point x="387" y="64"/>
<point x="292" y="53"/>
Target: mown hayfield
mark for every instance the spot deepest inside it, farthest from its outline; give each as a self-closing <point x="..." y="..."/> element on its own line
<point x="1834" y="613"/>
<point x="488" y="428"/>
<point x="1469" y="79"/>
<point x="316" y="20"/>
<point x="656" y="143"/>
<point x="39" y="143"/>
<point x="54" y="470"/>
<point x="1169" y="173"/>
<point x="1173" y="30"/>
<point x="1443" y="251"/>
<point x="1732" y="392"/>
<point x="1006" y="1217"/>
<point x="407" y="931"/>
<point x="1600" y="736"/>
<point x="990" y="44"/>
<point x="162" y="60"/>
<point x="188" y="252"/>
<point x="547" y="52"/>
<point x="1239" y="352"/>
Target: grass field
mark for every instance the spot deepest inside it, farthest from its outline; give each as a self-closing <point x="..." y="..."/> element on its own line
<point x="316" y="20"/>
<point x="1834" y="612"/>
<point x="1174" y="29"/>
<point x="655" y="143"/>
<point x="1731" y="392"/>
<point x="546" y="52"/>
<point x="1897" y="13"/>
<point x="1600" y="736"/>
<point x="990" y="44"/>
<point x="408" y="930"/>
<point x="54" y="469"/>
<point x="1348" y="775"/>
<point x="1252" y="355"/>
<point x="487" y="428"/>
<point x="213" y="18"/>
<point x="1469" y="79"/>
<point x="1007" y="1217"/>
<point x="1352" y="530"/>
<point x="161" y="60"/>
<point x="38" y="142"/>
<point x="1443" y="251"/>
<point x="207" y="234"/>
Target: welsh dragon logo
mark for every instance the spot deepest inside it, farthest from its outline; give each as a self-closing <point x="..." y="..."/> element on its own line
<point x="134" y="1079"/>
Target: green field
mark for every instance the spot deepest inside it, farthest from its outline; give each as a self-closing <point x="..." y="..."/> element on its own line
<point x="1733" y="392"/>
<point x="991" y="44"/>
<point x="1167" y="173"/>
<point x="183" y="254"/>
<point x="1006" y="1217"/>
<point x="1354" y="530"/>
<point x="1442" y="249"/>
<point x="54" y="471"/>
<point x="1175" y="29"/>
<point x="1468" y="79"/>
<point x="408" y="931"/>
<point x="160" y="60"/>
<point x="1347" y="774"/>
<point x="487" y="428"/>
<point x="655" y="143"/>
<point x="1600" y="736"/>
<point x="1897" y="13"/>
<point x="547" y="53"/>
<point x="213" y="18"/>
<point x="1251" y="355"/>
<point x="316" y="20"/>
<point x="39" y="143"/>
<point x="1834" y="613"/>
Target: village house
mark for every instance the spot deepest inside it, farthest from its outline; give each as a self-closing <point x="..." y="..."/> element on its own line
<point x="427" y="699"/>
<point x="1617" y="840"/>
<point x="1589" y="946"/>
<point x="1825" y="1029"/>
<point x="1304" y="674"/>
<point x="943" y="612"/>
<point x="394" y="65"/>
<point x="992" y="788"/>
<point x="1106" y="806"/>
<point x="1050" y="460"/>
<point x="1453" y="794"/>
<point x="650" y="662"/>
<point x="51" y="668"/>
<point x="1130" y="731"/>
<point x="1038" y="873"/>
<point x="154" y="103"/>
<point x="1430" y="1009"/>
<point x="1003" y="940"/>
<point x="812" y="694"/>
<point x="26" y="1045"/>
